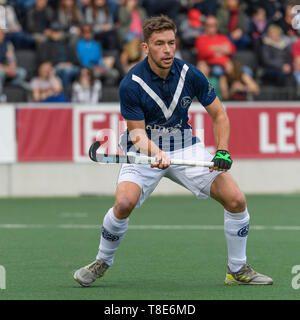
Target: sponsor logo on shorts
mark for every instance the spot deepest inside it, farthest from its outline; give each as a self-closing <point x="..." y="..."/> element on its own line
<point x="109" y="236"/>
<point x="243" y="232"/>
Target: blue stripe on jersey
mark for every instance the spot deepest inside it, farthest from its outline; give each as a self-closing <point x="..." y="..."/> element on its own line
<point x="163" y="104"/>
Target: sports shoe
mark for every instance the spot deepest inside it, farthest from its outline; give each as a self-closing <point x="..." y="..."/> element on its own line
<point x="87" y="275"/>
<point x="246" y="275"/>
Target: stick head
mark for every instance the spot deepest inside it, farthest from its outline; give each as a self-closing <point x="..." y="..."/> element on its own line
<point x="93" y="149"/>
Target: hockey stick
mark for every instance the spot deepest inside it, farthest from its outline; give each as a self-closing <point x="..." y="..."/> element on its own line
<point x="116" y="158"/>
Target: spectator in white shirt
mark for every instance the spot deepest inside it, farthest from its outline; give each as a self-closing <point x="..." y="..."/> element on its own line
<point x="86" y="89"/>
<point x="47" y="87"/>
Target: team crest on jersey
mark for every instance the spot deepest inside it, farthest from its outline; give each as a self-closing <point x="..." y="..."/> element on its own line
<point x="186" y="102"/>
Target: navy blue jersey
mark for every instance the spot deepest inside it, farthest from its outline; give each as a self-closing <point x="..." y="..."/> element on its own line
<point x="163" y="104"/>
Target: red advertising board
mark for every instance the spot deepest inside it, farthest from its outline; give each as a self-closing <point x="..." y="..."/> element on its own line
<point x="44" y="134"/>
<point x="65" y="134"/>
<point x="258" y="132"/>
<point x="94" y="123"/>
<point x="265" y="132"/>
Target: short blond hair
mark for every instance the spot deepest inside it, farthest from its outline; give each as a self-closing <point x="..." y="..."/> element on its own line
<point x="274" y="27"/>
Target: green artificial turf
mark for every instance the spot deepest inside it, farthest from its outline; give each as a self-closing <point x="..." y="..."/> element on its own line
<point x="44" y="240"/>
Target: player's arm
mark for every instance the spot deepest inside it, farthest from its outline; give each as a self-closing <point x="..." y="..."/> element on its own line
<point x="221" y="127"/>
<point x="142" y="143"/>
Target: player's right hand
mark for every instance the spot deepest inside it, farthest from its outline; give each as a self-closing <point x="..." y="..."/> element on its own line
<point x="162" y="161"/>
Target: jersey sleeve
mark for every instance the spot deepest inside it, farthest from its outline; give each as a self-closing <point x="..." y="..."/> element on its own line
<point x="204" y="91"/>
<point x="130" y="103"/>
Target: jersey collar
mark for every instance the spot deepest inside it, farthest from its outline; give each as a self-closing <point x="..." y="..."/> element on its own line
<point x="154" y="76"/>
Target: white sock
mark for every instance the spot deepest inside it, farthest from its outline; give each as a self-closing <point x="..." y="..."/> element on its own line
<point x="236" y="226"/>
<point x="113" y="231"/>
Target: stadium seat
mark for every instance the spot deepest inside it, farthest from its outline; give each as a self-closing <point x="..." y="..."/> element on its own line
<point x="273" y="93"/>
<point x="189" y="55"/>
<point x="15" y="93"/>
<point x="27" y="60"/>
<point x="110" y="94"/>
<point x="68" y="93"/>
<point x="247" y="58"/>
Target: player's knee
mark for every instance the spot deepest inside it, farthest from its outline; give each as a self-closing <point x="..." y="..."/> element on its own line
<point x="237" y="203"/>
<point x="123" y="208"/>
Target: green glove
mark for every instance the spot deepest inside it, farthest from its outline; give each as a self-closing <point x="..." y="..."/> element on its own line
<point x="222" y="160"/>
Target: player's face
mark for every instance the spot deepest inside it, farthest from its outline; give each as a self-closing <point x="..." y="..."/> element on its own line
<point x="161" y="50"/>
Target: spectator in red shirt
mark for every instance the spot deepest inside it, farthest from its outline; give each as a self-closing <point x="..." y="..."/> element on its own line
<point x="213" y="47"/>
<point x="296" y="48"/>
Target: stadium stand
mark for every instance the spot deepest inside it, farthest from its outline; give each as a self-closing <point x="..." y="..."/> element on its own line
<point x="253" y="17"/>
<point x="27" y="59"/>
<point x="15" y="93"/>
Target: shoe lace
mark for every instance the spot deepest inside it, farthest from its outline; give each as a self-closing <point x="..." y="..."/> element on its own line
<point x="246" y="269"/>
<point x="98" y="267"/>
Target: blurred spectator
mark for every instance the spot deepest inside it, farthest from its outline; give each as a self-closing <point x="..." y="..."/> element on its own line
<point x="273" y="9"/>
<point x="46" y="87"/>
<point x="24" y="4"/>
<point x="286" y="22"/>
<point x="61" y="55"/>
<point x="234" y="23"/>
<point x="14" y="32"/>
<point x="214" y="81"/>
<point x="99" y="16"/>
<point x="86" y="89"/>
<point x="8" y="64"/>
<point x="293" y="80"/>
<point x="131" y="54"/>
<point x="21" y="6"/>
<point x="38" y="20"/>
<point x="236" y="84"/>
<point x="90" y="55"/>
<point x="190" y="28"/>
<point x="296" y="48"/>
<point x="114" y="7"/>
<point x="179" y="54"/>
<point x="131" y="17"/>
<point x="89" y="51"/>
<point x="258" y="26"/>
<point x="276" y="57"/>
<point x="70" y="18"/>
<point x="83" y="5"/>
<point x="207" y="7"/>
<point x="171" y="8"/>
<point x="213" y="47"/>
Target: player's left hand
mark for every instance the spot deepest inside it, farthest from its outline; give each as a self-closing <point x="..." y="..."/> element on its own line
<point x="222" y="161"/>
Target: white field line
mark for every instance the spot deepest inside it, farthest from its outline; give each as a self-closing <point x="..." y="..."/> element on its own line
<point x="145" y="227"/>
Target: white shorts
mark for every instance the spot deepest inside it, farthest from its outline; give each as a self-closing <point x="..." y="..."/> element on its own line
<point x="196" y="179"/>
